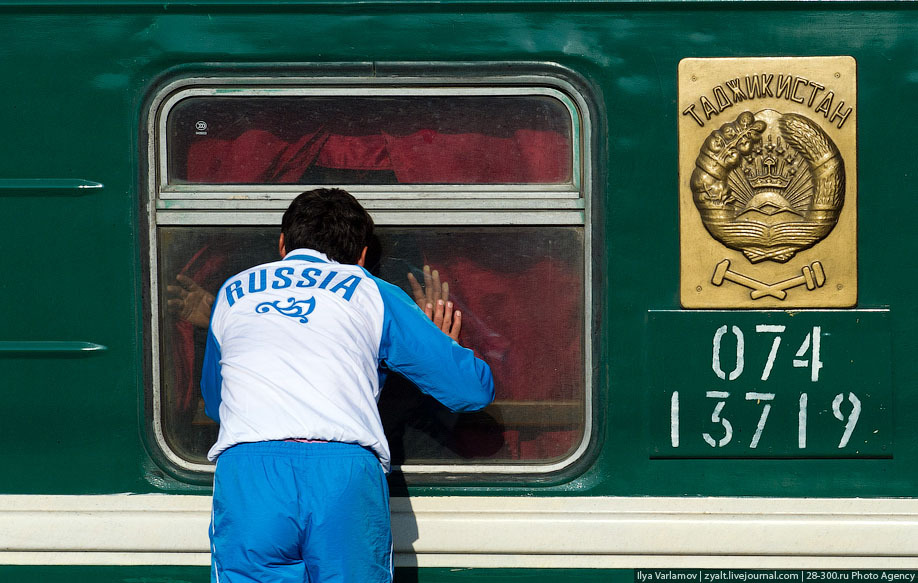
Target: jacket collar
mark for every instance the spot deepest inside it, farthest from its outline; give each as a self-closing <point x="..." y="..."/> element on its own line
<point x="304" y="254"/>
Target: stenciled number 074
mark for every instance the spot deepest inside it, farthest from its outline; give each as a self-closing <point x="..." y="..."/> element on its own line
<point x="807" y="356"/>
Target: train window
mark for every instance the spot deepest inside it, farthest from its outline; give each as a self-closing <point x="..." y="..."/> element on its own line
<point x="389" y="140"/>
<point x="485" y="186"/>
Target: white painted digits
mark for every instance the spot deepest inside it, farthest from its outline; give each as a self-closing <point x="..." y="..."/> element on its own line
<point x="814" y="362"/>
<point x="716" y="418"/>
<point x="801" y="422"/>
<point x="852" y="417"/>
<point x="674" y="419"/>
<point x="761" y="424"/>
<point x="765" y="328"/>
<point x="740" y="357"/>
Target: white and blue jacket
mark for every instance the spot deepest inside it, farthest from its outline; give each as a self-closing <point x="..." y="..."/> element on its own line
<point x="295" y="349"/>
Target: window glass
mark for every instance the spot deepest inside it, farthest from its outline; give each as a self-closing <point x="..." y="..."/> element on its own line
<point x="226" y="157"/>
<point x="452" y="139"/>
<point x="521" y="292"/>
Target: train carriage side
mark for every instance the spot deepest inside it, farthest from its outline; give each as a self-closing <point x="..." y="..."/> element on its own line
<point x="678" y="232"/>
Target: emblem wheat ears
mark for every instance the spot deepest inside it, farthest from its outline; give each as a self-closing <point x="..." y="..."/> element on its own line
<point x="769" y="194"/>
<point x="824" y="158"/>
<point x="721" y="152"/>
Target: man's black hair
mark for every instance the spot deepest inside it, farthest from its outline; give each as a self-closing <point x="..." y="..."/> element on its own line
<point x="328" y="220"/>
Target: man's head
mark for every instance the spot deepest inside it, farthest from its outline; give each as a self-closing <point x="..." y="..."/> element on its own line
<point x="328" y="220"/>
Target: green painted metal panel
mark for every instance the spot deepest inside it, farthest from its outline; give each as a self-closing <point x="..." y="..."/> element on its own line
<point x="765" y="385"/>
<point x="95" y="574"/>
<point x="78" y="83"/>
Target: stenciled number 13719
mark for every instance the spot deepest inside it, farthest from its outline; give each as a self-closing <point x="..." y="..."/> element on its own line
<point x="846" y="408"/>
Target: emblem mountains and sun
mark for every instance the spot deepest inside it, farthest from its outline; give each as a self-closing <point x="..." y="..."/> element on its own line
<point x="767" y="160"/>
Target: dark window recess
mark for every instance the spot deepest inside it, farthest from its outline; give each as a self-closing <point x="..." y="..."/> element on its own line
<point x="370" y="140"/>
<point x="521" y="293"/>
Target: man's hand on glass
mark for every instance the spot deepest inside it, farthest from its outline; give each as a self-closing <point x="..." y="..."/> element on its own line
<point x="189" y="301"/>
<point x="433" y="298"/>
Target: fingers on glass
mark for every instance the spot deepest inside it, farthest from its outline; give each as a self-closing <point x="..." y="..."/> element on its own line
<point x="416" y="290"/>
<point x="436" y="291"/>
<point x="428" y="284"/>
<point x="447" y="316"/>
<point x="438" y="314"/>
<point x="457" y="325"/>
<point x="185" y="281"/>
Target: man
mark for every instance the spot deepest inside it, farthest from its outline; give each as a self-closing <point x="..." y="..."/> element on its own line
<point x="292" y="369"/>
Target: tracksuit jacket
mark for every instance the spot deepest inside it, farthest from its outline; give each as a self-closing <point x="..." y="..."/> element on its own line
<point x="298" y="348"/>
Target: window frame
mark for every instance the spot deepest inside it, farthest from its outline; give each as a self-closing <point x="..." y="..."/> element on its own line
<point x="406" y="205"/>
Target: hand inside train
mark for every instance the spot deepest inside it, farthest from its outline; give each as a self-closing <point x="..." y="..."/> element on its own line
<point x="189" y="301"/>
<point x="433" y="298"/>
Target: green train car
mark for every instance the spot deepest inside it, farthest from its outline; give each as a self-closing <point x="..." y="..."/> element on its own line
<point x="679" y="232"/>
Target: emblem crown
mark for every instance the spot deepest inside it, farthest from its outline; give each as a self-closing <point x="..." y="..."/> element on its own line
<point x="771" y="165"/>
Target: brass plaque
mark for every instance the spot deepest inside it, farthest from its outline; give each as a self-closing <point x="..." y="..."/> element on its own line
<point x="768" y="182"/>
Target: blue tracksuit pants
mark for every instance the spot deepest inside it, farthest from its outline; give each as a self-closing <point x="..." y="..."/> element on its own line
<point x="300" y="512"/>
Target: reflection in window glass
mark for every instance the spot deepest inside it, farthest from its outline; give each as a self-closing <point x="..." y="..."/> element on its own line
<point x="521" y="293"/>
<point x="194" y="263"/>
<point x="370" y="140"/>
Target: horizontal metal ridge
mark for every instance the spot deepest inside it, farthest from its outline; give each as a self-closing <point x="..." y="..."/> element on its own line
<point x="48" y="186"/>
<point x="33" y="346"/>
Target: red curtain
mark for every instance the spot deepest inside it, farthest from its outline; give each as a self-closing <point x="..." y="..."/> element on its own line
<point x="526" y="324"/>
<point x="255" y="156"/>
<point x="205" y="269"/>
<point x="517" y="350"/>
<point x="427" y="156"/>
